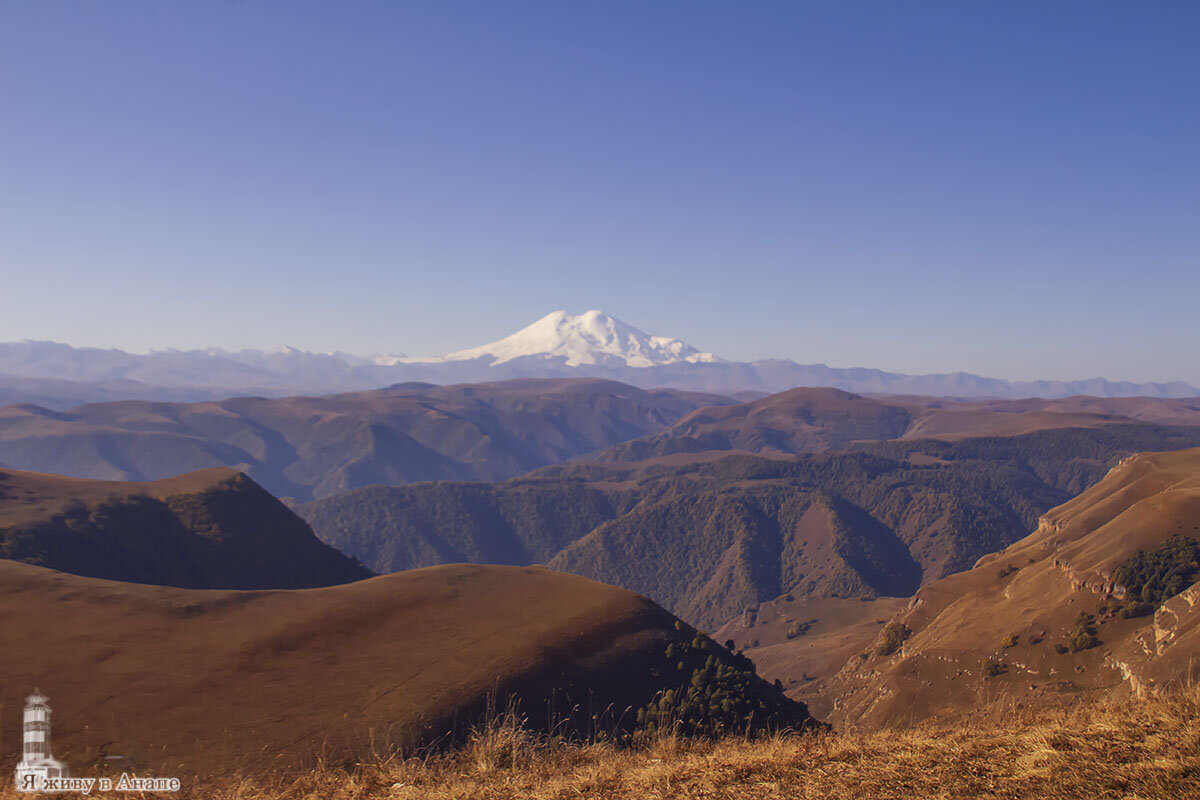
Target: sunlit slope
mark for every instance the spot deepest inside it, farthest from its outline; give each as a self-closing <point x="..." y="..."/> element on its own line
<point x="1033" y="593"/>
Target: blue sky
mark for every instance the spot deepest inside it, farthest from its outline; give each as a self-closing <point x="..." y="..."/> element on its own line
<point x="1007" y="188"/>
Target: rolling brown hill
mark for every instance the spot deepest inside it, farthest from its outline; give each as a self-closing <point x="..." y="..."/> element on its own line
<point x="226" y="682"/>
<point x="305" y="447"/>
<point x="809" y="420"/>
<point x="1126" y="552"/>
<point x="796" y="421"/>
<point x="211" y="529"/>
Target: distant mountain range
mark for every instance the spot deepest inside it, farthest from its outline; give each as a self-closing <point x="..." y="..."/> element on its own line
<point x="559" y="345"/>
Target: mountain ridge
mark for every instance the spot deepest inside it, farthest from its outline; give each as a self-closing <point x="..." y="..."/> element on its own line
<point x="313" y="446"/>
<point x="559" y="345"/>
<point x="819" y="419"/>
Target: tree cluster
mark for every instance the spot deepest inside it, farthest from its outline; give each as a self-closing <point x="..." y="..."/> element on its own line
<point x="722" y="695"/>
<point x="1154" y="576"/>
<point x="890" y="639"/>
<point x="1083" y="635"/>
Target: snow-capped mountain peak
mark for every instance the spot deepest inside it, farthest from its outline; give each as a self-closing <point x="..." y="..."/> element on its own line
<point x="590" y="338"/>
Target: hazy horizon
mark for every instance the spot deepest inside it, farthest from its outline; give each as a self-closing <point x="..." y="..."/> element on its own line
<point x="418" y="356"/>
<point x="1010" y="191"/>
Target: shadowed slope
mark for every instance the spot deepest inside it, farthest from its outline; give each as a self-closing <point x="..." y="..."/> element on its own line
<point x="212" y="529"/>
<point x="517" y="522"/>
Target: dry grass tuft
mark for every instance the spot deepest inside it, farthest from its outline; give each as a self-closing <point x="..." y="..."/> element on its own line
<point x="1124" y="748"/>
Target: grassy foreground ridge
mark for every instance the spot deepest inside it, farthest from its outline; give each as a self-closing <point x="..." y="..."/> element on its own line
<point x="1126" y="748"/>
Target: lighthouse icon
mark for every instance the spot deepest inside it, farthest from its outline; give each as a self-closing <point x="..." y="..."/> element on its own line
<point x="37" y="764"/>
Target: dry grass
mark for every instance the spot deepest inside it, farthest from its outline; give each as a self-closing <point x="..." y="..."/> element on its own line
<point x="1117" y="749"/>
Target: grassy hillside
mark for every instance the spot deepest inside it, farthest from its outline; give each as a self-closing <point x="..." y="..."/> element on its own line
<point x="1123" y="748"/>
<point x="210" y="682"/>
<point x="306" y="447"/>
<point x="709" y="535"/>
<point x="1054" y="616"/>
<point x="213" y="529"/>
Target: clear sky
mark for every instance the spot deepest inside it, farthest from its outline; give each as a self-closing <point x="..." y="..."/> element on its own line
<point x="1007" y="188"/>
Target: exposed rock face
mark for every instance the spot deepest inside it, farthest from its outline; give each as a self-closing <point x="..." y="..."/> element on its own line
<point x="1165" y="652"/>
